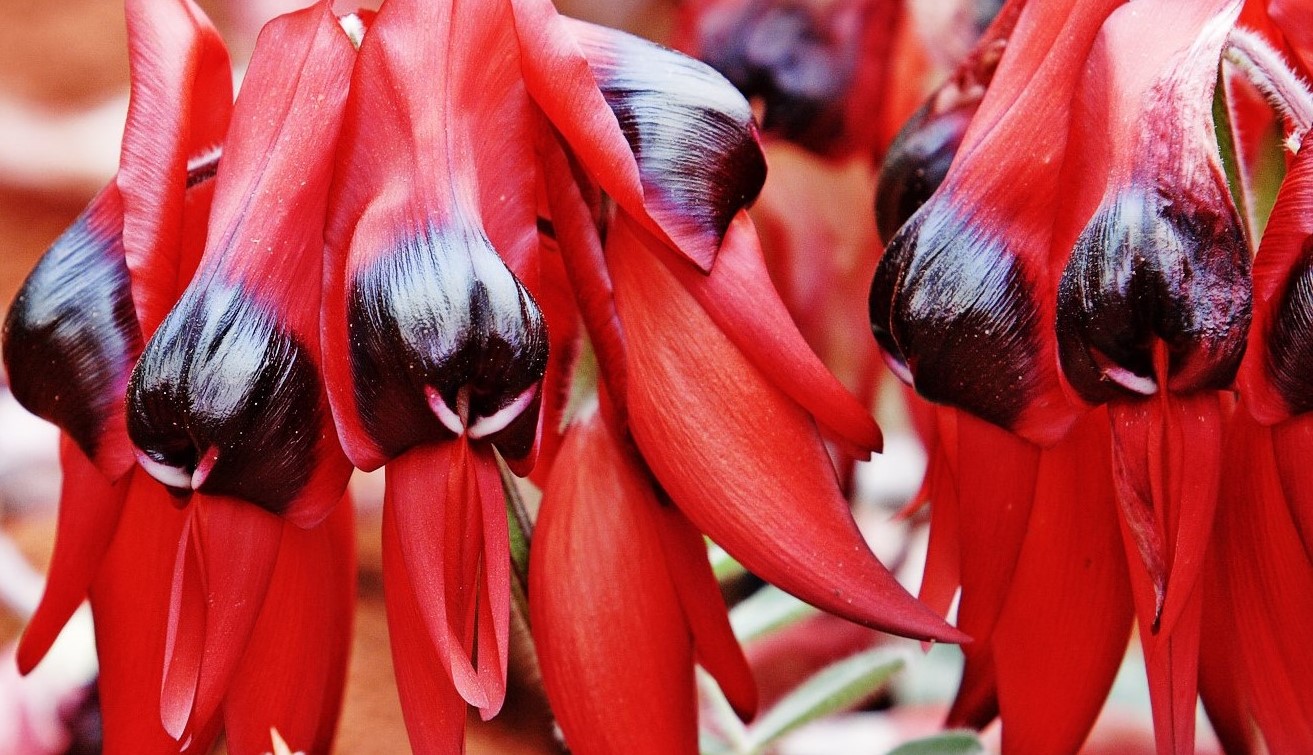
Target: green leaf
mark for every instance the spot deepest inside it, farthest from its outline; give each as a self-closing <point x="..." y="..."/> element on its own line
<point x="959" y="742"/>
<point x="767" y="610"/>
<point x="839" y="687"/>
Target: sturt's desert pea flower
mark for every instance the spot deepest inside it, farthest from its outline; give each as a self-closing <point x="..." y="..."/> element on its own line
<point x="163" y="688"/>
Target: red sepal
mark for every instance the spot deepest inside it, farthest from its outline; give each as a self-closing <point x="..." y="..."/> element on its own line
<point x="451" y="524"/>
<point x="181" y="100"/>
<point x="740" y="457"/>
<point x="293" y="671"/>
<point x="433" y="709"/>
<point x="1068" y="609"/>
<point x="130" y="639"/>
<point x="89" y="511"/>
<point x="613" y="640"/>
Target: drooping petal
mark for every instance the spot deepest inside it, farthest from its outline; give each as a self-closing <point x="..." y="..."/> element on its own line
<point x="428" y="333"/>
<point x="177" y="118"/>
<point x="451" y="526"/>
<point x="939" y="490"/>
<point x="613" y="642"/>
<point x="716" y="648"/>
<point x="741" y="458"/>
<point x="1268" y="585"/>
<point x="292" y="674"/>
<point x="1068" y="612"/>
<point x="433" y="709"/>
<point x="739" y="299"/>
<point x="71" y="335"/>
<point x="226" y="398"/>
<point x="666" y="136"/>
<point x="89" y="509"/>
<point x="1274" y="375"/>
<point x="221" y="581"/>
<point x="966" y="286"/>
<point x="130" y="641"/>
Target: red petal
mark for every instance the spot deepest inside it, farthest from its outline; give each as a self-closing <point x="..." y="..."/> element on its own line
<point x="1269" y="583"/>
<point x="1291" y="16"/>
<point x="1273" y="376"/>
<point x="996" y="478"/>
<point x="182" y="95"/>
<point x="89" y="510"/>
<point x="451" y="525"/>
<point x="236" y="548"/>
<point x="714" y="643"/>
<point x="741" y="458"/>
<point x="1068" y="612"/>
<point x="615" y="651"/>
<point x="71" y="336"/>
<point x="292" y="674"/>
<point x="130" y="601"/>
<point x="740" y="299"/>
<point x="433" y="709"/>
<point x="942" y="574"/>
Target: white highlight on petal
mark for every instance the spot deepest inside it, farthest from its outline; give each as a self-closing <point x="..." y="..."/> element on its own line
<point x="354" y="28"/>
<point x="496" y="422"/>
<point x="444" y="413"/>
<point x="203" y="469"/>
<point x="174" y="477"/>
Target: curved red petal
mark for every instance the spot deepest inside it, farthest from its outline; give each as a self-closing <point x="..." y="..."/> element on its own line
<point x="613" y="643"/>
<point x="227" y="394"/>
<point x="1068" y="612"/>
<point x="942" y="574"/>
<point x="1269" y="582"/>
<point x="714" y="643"/>
<point x="433" y="709"/>
<point x="293" y="671"/>
<point x="236" y="549"/>
<point x="740" y="299"/>
<point x="89" y="511"/>
<point x="697" y="407"/>
<point x="455" y="545"/>
<point x="71" y="335"/>
<point x="130" y="601"/>
<point x="1273" y="376"/>
<point x="182" y="96"/>
<point x="567" y="83"/>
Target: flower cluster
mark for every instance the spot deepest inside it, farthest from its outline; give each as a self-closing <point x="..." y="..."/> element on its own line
<point x="397" y="249"/>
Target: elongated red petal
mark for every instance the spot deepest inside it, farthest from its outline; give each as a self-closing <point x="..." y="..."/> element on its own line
<point x="292" y="674"/>
<point x="1273" y="378"/>
<point x="236" y="547"/>
<point x="615" y="649"/>
<point x="714" y="644"/>
<point x="433" y="709"/>
<point x="740" y="457"/>
<point x="89" y="510"/>
<point x="182" y="97"/>
<point x="943" y="573"/>
<point x="227" y="398"/>
<point x="133" y="583"/>
<point x="1269" y="586"/>
<point x="739" y="298"/>
<point x="1068" y="611"/>
<point x="451" y="526"/>
<point x="636" y="114"/>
